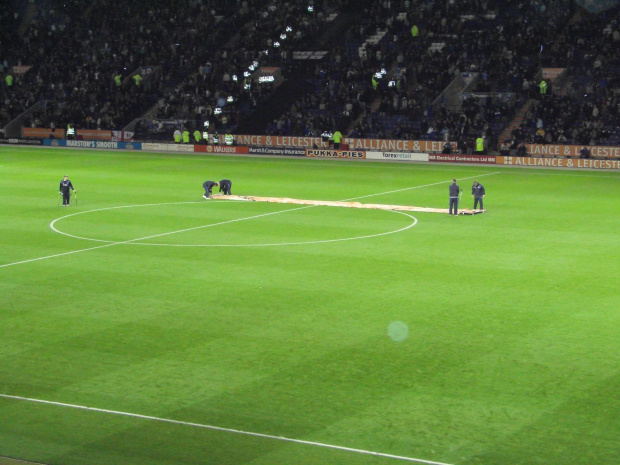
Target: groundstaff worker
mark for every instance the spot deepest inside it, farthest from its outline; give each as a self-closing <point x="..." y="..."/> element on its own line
<point x="477" y="192"/>
<point x="225" y="186"/>
<point x="455" y="190"/>
<point x="65" y="190"/>
<point x="208" y="187"/>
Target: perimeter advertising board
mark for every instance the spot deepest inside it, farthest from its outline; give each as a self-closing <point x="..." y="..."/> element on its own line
<point x="155" y="147"/>
<point x="379" y="145"/>
<point x="559" y="162"/>
<point x="220" y="149"/>
<point x="458" y="158"/>
<point x="57" y="133"/>
<point x="405" y="156"/>
<point x="550" y="150"/>
<point x="277" y="151"/>
<point x="20" y="141"/>
<point x="355" y="154"/>
<point x="280" y="141"/>
<point x="93" y="134"/>
<point x="392" y="145"/>
<point x="93" y="144"/>
<point x="180" y="148"/>
<point x="43" y="133"/>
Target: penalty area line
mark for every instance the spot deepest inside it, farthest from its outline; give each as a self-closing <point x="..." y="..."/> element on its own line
<point x="224" y="430"/>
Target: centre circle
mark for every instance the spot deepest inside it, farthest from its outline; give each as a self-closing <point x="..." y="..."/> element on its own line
<point x="137" y="240"/>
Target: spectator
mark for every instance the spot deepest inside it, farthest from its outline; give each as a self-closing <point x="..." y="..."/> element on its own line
<point x="584" y="153"/>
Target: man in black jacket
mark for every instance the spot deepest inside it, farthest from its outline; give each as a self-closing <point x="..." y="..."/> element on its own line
<point x="225" y="186"/>
<point x="455" y="190"/>
<point x="477" y="192"/>
<point x="208" y="187"/>
<point x="65" y="190"/>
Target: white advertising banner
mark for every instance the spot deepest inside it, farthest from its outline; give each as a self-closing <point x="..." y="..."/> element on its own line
<point x="155" y="147"/>
<point x="405" y="156"/>
<point x="180" y="148"/>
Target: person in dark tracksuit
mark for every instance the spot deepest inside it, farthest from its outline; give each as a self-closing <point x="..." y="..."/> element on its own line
<point x="65" y="190"/>
<point x="208" y="187"/>
<point x="455" y="190"/>
<point x="225" y="186"/>
<point x="477" y="192"/>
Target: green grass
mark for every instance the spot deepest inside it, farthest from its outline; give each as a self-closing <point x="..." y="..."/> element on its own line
<point x="513" y="348"/>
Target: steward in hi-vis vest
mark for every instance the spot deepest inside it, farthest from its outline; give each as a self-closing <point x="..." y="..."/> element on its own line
<point x="70" y="132"/>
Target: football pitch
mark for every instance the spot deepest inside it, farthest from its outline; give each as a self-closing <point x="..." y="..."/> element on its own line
<point x="144" y="325"/>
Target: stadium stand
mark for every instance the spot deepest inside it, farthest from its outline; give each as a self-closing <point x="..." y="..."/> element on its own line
<point x="470" y="69"/>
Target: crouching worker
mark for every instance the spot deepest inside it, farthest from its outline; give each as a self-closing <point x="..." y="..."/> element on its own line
<point x="208" y="187"/>
<point x="225" y="186"/>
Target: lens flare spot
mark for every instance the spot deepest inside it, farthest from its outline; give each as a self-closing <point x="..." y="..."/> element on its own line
<point x="398" y="331"/>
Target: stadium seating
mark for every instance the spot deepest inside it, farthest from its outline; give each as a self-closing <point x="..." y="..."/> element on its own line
<point x="194" y="58"/>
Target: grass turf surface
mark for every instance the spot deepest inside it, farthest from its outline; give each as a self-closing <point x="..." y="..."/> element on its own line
<point x="510" y="353"/>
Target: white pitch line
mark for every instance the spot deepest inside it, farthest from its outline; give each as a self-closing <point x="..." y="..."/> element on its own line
<point x="139" y="238"/>
<point x="225" y="430"/>
<point x="417" y="187"/>
<point x="151" y="244"/>
<point x="161" y="234"/>
<point x="56" y="255"/>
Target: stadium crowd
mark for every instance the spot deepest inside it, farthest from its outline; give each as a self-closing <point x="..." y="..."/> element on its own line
<point x="387" y="74"/>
